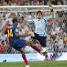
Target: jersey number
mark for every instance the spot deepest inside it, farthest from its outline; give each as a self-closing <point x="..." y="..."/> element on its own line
<point x="10" y="33"/>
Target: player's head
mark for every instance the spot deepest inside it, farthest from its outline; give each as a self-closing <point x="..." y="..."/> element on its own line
<point x="15" y="21"/>
<point x="39" y="14"/>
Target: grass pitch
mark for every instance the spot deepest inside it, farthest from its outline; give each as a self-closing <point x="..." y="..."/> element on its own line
<point x="35" y="64"/>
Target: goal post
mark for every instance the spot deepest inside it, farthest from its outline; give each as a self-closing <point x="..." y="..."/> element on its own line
<point x="31" y="8"/>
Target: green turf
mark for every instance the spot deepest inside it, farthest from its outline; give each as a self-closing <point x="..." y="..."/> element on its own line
<point x="36" y="64"/>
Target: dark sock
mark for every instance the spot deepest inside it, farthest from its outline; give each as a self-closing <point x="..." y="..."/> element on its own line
<point x="36" y="48"/>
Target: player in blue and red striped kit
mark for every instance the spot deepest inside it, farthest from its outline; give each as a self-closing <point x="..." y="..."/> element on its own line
<point x="16" y="42"/>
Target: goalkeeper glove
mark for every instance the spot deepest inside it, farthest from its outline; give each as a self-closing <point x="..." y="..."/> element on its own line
<point x="21" y="16"/>
<point x="51" y="8"/>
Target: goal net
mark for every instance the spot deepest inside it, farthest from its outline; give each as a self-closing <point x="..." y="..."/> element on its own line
<point x="56" y="40"/>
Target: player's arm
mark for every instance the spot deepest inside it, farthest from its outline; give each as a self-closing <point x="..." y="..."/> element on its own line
<point x="21" y="35"/>
<point x="25" y="19"/>
<point x="22" y="16"/>
<point x="23" y="24"/>
<point x="29" y="33"/>
<point x="51" y="13"/>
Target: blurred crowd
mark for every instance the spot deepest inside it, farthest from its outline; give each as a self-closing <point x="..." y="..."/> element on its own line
<point x="56" y="27"/>
<point x="32" y="2"/>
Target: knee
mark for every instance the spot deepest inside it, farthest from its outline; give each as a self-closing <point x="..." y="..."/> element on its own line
<point x="30" y="42"/>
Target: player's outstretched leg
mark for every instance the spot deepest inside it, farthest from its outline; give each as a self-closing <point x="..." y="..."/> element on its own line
<point x="34" y="47"/>
<point x="42" y="41"/>
<point x="24" y="58"/>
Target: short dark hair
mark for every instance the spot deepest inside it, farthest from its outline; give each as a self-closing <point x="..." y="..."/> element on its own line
<point x="39" y="12"/>
<point x="14" y="20"/>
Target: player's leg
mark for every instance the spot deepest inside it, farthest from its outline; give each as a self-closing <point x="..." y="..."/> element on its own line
<point x="43" y="41"/>
<point x="24" y="57"/>
<point x="43" y="44"/>
<point x="19" y="46"/>
<point x="33" y="46"/>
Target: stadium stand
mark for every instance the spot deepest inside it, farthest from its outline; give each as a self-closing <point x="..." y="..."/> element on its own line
<point x="32" y="2"/>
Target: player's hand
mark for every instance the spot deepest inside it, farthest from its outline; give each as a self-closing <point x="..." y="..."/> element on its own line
<point x="31" y="34"/>
<point x="23" y="18"/>
<point x="51" y="7"/>
<point x="21" y="15"/>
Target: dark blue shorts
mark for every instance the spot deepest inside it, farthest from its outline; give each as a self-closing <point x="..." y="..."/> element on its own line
<point x="42" y="39"/>
<point x="20" y="44"/>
